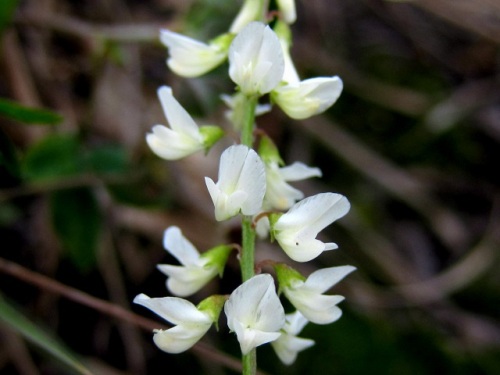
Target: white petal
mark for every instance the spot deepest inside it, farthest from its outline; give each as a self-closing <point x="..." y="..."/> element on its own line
<point x="185" y="281"/>
<point x="256" y="61"/>
<point x="309" y="97"/>
<point x="178" y="118"/>
<point x="171" y="145"/>
<point x="253" y="181"/>
<point x="287" y="9"/>
<point x="255" y="304"/>
<point x="298" y="171"/>
<point x="180" y="247"/>
<point x="300" y="249"/>
<point x="173" y="309"/>
<point x="250" y="338"/>
<point x="323" y="279"/>
<point x="189" y="57"/>
<point x="314" y="213"/>
<point x="230" y="167"/>
<point x="317" y="308"/>
<point x="288" y="346"/>
<point x="179" y="338"/>
<point x="295" y="322"/>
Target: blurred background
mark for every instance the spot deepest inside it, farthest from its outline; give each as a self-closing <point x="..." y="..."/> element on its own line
<point x="413" y="142"/>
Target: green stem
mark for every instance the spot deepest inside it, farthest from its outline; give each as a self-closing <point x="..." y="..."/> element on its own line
<point x="250" y="363"/>
<point x="247" y="262"/>
<point x="248" y="120"/>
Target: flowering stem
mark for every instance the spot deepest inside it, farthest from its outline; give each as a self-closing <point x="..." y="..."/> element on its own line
<point x="248" y="233"/>
<point x="248" y="121"/>
<point x="248" y="242"/>
<point x="250" y="363"/>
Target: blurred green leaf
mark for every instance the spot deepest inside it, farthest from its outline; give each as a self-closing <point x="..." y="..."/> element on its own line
<point x="16" y="320"/>
<point x="77" y="221"/>
<point x="28" y="115"/>
<point x="55" y="156"/>
<point x="107" y="159"/>
<point x="7" y="8"/>
<point x="8" y="157"/>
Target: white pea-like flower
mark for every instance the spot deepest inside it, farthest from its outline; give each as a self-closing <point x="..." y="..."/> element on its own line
<point x="254" y="312"/>
<point x="302" y="99"/>
<point x="279" y="194"/>
<point x="195" y="270"/>
<point x="256" y="62"/>
<point x="183" y="138"/>
<point x="307" y="98"/>
<point x="241" y="185"/>
<point x="306" y="295"/>
<point x="192" y="58"/>
<point x="297" y="229"/>
<point x="288" y="345"/>
<point x="191" y="323"/>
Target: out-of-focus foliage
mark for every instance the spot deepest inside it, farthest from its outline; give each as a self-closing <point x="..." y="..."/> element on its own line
<point x="413" y="142"/>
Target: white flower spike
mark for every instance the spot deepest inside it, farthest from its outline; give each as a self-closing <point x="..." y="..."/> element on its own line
<point x="196" y="270"/>
<point x="241" y="185"/>
<point x="191" y="322"/>
<point x="288" y="345"/>
<point x="191" y="58"/>
<point x="297" y="229"/>
<point x="306" y="295"/>
<point x="183" y="138"/>
<point x="254" y="312"/>
<point x="256" y="62"/>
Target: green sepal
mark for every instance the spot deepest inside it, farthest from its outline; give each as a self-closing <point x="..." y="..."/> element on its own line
<point x="211" y="134"/>
<point x="273" y="218"/>
<point x="268" y="151"/>
<point x="283" y="32"/>
<point x="217" y="256"/>
<point x="213" y="306"/>
<point x="223" y="41"/>
<point x="286" y="276"/>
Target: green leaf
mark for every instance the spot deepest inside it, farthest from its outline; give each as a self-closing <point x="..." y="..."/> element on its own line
<point x="7" y="8"/>
<point x="53" y="157"/>
<point x="8" y="157"/>
<point x="16" y="320"/>
<point x="77" y="220"/>
<point x="107" y="159"/>
<point x="28" y="115"/>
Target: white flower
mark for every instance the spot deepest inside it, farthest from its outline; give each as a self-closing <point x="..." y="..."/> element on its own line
<point x="279" y="194"/>
<point x="288" y="345"/>
<point x="241" y="185"/>
<point x="287" y="9"/>
<point x="191" y="58"/>
<point x="302" y="99"/>
<point x="256" y="60"/>
<point x="307" y="98"/>
<point x="297" y="229"/>
<point x="196" y="269"/>
<point x="254" y="312"/>
<point x="190" y="323"/>
<point x="182" y="138"/>
<point x="307" y="295"/>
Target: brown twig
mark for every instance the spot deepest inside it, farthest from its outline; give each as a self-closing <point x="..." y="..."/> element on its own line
<point x="109" y="309"/>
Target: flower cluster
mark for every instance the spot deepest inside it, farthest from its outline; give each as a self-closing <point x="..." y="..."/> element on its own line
<point x="253" y="184"/>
